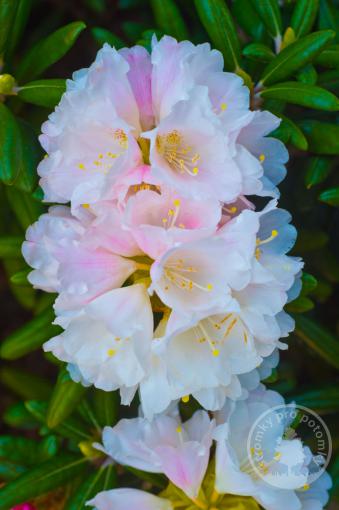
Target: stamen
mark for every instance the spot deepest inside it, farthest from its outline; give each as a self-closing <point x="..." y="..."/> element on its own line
<point x="262" y="158"/>
<point x="274" y="234"/>
<point x="223" y="106"/>
<point x="177" y="155"/>
<point x="230" y="327"/>
<point x="85" y="206"/>
<point x="111" y="352"/>
<point x="185" y="399"/>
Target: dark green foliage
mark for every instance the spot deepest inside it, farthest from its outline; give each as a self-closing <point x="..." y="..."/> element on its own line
<point x="288" y="55"/>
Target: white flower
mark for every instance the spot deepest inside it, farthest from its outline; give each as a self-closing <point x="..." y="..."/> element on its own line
<point x="166" y="445"/>
<point x="128" y="499"/>
<point x="110" y="341"/>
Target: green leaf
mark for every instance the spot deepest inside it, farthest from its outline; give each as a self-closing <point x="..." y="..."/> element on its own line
<point x="309" y="284"/>
<point x="48" y="51"/>
<point x="102" y="36"/>
<point x="71" y="428"/>
<point x="43" y="92"/>
<point x="307" y="74"/>
<point x="27" y="452"/>
<point x="328" y="16"/>
<point x="248" y="19"/>
<point x="10" y="246"/>
<point x="31" y="150"/>
<point x="20" y="20"/>
<point x="7" y="14"/>
<point x="102" y="479"/>
<point x="293" y="133"/>
<point x="258" y="52"/>
<point x="269" y="12"/>
<point x="300" y="305"/>
<point x="329" y="80"/>
<point x="65" y="398"/>
<point x="318" y="338"/>
<point x="295" y="56"/>
<point x="26" y="209"/>
<point x="321" y="400"/>
<point x="17" y="416"/>
<point x="303" y="16"/>
<point x="30" y="336"/>
<point x="330" y="196"/>
<point x="322" y="137"/>
<point x="329" y="57"/>
<point x="24" y="384"/>
<point x="318" y="169"/>
<point x="169" y="19"/>
<point x="302" y="94"/>
<point x="106" y="405"/>
<point x="41" y="479"/>
<point x="9" y="470"/>
<point x="10" y="146"/>
<point x="219" y="24"/>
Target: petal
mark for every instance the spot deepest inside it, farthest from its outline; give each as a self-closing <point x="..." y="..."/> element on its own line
<point x="126" y="499"/>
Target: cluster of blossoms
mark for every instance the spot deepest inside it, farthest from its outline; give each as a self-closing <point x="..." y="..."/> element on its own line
<point x="170" y="281"/>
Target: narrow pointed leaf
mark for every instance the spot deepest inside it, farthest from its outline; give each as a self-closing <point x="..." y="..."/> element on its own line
<point x="102" y="36"/>
<point x="330" y="196"/>
<point x="322" y="137"/>
<point x="43" y="92"/>
<point x="169" y="19"/>
<point x="48" y="51"/>
<point x="25" y="384"/>
<point x="17" y="416"/>
<point x="7" y="15"/>
<point x="102" y="479"/>
<point x="293" y="133"/>
<point x="41" y="479"/>
<point x="300" y="305"/>
<point x="321" y="400"/>
<point x="246" y="16"/>
<point x="295" y="56"/>
<point x="65" y="398"/>
<point x="309" y="284"/>
<point x="318" y="170"/>
<point x="328" y="16"/>
<point x="302" y="94"/>
<point x="303" y="17"/>
<point x="269" y="12"/>
<point x="29" y="337"/>
<point x="329" y="57"/>
<point x="258" y="52"/>
<point x="71" y="428"/>
<point x="106" y="405"/>
<point x="20" y="20"/>
<point x="10" y="146"/>
<point x="318" y="339"/>
<point x="307" y="74"/>
<point x="26" y="209"/>
<point x="218" y="22"/>
<point x="31" y="150"/>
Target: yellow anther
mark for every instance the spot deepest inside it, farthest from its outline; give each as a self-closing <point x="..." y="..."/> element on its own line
<point x="45" y="156"/>
<point x="117" y="338"/>
<point x="170" y="212"/>
<point x="216" y="352"/>
<point x="223" y="106"/>
<point x="179" y="429"/>
<point x="195" y="170"/>
<point x="245" y="337"/>
<point x="277" y="456"/>
<point x="111" y="352"/>
<point x="100" y="156"/>
<point x="181" y="225"/>
<point x="85" y="206"/>
<point x="164" y="220"/>
<point x="262" y="157"/>
<point x="185" y="399"/>
<point x="305" y="487"/>
<point x="274" y="233"/>
<point x="176" y="202"/>
<point x="81" y="166"/>
<point x="209" y="286"/>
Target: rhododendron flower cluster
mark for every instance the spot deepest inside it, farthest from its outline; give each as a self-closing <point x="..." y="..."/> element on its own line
<point x="169" y="279"/>
<point x="182" y="451"/>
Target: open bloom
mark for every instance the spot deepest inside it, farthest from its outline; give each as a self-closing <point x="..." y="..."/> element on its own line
<point x="205" y="141"/>
<point x="181" y="450"/>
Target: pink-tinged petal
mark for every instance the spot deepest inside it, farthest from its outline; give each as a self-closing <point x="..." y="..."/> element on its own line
<point x="171" y="79"/>
<point x="56" y="228"/>
<point x="189" y="152"/>
<point x="128" y="499"/>
<point x="86" y="273"/>
<point x="160" y="221"/>
<point x="139" y="76"/>
<point x="110" y="340"/>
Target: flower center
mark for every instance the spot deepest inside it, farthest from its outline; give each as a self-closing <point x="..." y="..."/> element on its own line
<point x="181" y="157"/>
<point x="179" y="274"/>
<point x="104" y="160"/>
